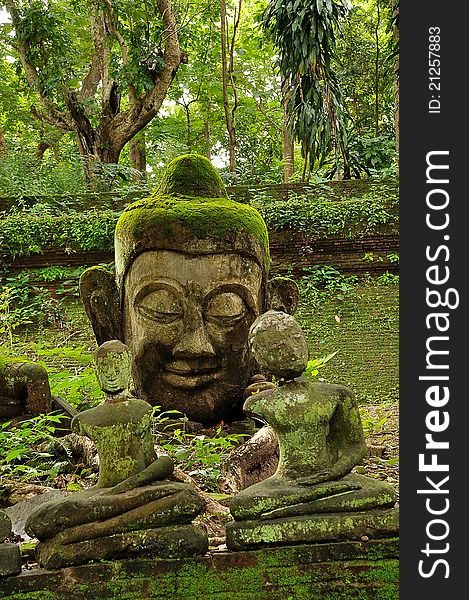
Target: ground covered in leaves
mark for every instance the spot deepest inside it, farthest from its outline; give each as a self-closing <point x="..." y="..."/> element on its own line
<point x="381" y="425"/>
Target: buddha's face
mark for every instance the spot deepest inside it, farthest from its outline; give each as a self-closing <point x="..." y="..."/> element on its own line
<point x="186" y="319"/>
<point x="113" y="371"/>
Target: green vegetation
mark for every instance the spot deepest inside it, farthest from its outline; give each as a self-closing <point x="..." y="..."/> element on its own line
<point x="28" y="449"/>
<point x="352" y="329"/>
<point x="24" y="233"/>
<point x="316" y="211"/>
<point x="98" y="118"/>
<point x="360" y="320"/>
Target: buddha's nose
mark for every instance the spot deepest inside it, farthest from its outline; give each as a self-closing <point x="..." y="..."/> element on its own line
<point x="194" y="342"/>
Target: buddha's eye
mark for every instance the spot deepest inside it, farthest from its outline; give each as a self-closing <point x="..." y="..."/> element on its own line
<point x="225" y="309"/>
<point x="163" y="306"/>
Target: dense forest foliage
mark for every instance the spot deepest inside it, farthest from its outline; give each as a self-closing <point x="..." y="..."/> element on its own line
<point x="102" y="93"/>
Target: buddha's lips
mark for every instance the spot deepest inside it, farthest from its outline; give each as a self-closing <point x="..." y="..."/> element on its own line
<point x="180" y="373"/>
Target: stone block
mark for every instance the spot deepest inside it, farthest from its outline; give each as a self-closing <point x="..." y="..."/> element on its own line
<point x="332" y="527"/>
<point x="10" y="559"/>
<point x="177" y="541"/>
<point x="352" y="570"/>
<point x="5" y="525"/>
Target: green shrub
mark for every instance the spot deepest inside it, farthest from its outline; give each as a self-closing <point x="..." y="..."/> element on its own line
<point x="27" y="448"/>
<point x="22" y="234"/>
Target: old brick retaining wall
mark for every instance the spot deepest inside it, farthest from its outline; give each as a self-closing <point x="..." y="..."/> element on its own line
<point x="290" y="252"/>
<point x="344" y="570"/>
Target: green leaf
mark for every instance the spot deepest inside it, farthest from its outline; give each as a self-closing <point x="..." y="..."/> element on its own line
<point x="16" y="453"/>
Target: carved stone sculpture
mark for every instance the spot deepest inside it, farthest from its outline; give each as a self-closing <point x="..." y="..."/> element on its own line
<point x="132" y="509"/>
<point x="191" y="277"/>
<point x="24" y="388"/>
<point x="312" y="496"/>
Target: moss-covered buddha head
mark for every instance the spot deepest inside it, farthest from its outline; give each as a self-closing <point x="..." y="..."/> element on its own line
<point x="191" y="277"/>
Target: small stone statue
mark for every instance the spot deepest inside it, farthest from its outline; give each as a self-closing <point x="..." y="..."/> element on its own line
<point x="132" y="509"/>
<point x="24" y="388"/>
<point x="121" y="427"/>
<point x="312" y="496"/>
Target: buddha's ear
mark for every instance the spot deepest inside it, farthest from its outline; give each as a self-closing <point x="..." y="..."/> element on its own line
<point x="282" y="295"/>
<point x="100" y="297"/>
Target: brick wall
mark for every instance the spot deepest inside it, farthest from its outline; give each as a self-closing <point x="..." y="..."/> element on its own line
<point x="293" y="251"/>
<point x="290" y="252"/>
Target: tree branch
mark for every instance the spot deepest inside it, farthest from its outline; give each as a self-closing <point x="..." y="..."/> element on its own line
<point x="135" y="118"/>
<point x="111" y="23"/>
<point x="54" y="117"/>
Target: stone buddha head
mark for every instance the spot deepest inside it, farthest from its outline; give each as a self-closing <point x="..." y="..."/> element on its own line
<point x="191" y="278"/>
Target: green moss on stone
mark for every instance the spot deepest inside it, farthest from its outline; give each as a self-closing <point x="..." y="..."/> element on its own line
<point x="203" y="217"/>
<point x="191" y="175"/>
<point x="190" y="203"/>
<point x="305" y="572"/>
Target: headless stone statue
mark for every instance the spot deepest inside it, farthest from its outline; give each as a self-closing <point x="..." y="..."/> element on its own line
<point x="312" y="496"/>
<point x="132" y="509"/>
<point x="24" y="388"/>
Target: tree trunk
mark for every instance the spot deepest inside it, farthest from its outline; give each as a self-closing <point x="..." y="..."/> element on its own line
<point x="288" y="154"/>
<point x="395" y="35"/>
<point x="138" y="154"/>
<point x="253" y="461"/>
<point x="227" y="72"/>
<point x="116" y="127"/>
<point x="3" y="144"/>
<point x="207" y="132"/>
<point x="207" y="139"/>
<point x="187" y="110"/>
<point x="377" y="57"/>
<point x="288" y="136"/>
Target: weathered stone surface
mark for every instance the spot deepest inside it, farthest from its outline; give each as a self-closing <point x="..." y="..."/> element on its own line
<point x="242" y="535"/>
<point x="10" y="560"/>
<point x="95" y="505"/>
<point x="278" y="344"/>
<point x="98" y="292"/>
<point x="24" y="388"/>
<point x="189" y="337"/>
<point x="353" y="570"/>
<point x="180" y="508"/>
<point x="113" y="361"/>
<point x="175" y="541"/>
<point x="191" y="276"/>
<point x="274" y="498"/>
<point x="318" y="426"/>
<point x="20" y="511"/>
<point x="5" y="525"/>
<point x="283" y="295"/>
<point x="122" y="435"/>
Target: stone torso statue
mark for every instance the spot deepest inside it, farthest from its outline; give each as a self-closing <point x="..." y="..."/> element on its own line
<point x="121" y="427"/>
<point x="133" y="508"/>
<point x="320" y="441"/>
